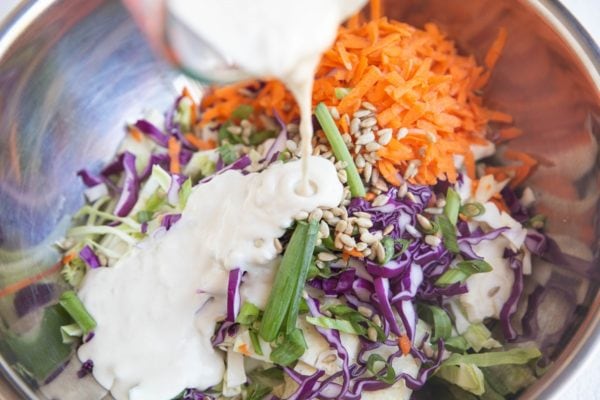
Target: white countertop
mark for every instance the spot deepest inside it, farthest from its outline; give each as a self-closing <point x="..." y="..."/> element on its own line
<point x="588" y="13"/>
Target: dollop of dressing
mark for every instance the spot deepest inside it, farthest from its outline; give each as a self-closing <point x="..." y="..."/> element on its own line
<point x="270" y="38"/>
<point x="157" y="307"/>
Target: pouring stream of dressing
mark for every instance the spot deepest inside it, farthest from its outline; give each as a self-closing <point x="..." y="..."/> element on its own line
<point x="267" y="38"/>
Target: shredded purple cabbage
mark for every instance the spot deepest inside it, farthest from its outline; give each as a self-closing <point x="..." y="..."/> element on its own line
<point x="233" y="294"/>
<point x="86" y="368"/>
<point x="131" y="186"/>
<point x="169" y="220"/>
<point x="510" y="307"/>
<point x="89" y="257"/>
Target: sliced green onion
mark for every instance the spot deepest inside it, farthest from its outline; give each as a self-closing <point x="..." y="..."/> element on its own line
<point x="337" y="324"/>
<point x="255" y="342"/>
<point x="290" y="350"/>
<point x="227" y="153"/>
<point x="340" y="150"/>
<point x="462" y="271"/>
<point x="389" y="376"/>
<point x="448" y="233"/>
<point x="184" y="193"/>
<point x="442" y="325"/>
<point x="87" y="210"/>
<point x="243" y="111"/>
<point x="248" y="314"/>
<point x="70" y="333"/>
<point x="75" y="308"/>
<point x="184" y="114"/>
<point x="452" y="206"/>
<point x="225" y="136"/>
<point x="472" y="209"/>
<point x="389" y="248"/>
<point x="536" y="222"/>
<point x="357" y="320"/>
<point x="340" y="93"/>
<point x="284" y="300"/>
<point x="513" y="356"/>
<point x="259" y="137"/>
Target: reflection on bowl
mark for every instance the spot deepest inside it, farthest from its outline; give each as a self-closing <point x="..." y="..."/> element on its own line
<point x="72" y="71"/>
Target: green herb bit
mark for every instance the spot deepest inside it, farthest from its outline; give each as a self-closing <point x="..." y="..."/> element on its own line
<point x="255" y="342"/>
<point x="471" y="210"/>
<point x="70" y="333"/>
<point x="243" y="111"/>
<point x="75" y="308"/>
<point x="227" y="153"/>
<point x="290" y="350"/>
<point x="452" y="206"/>
<point x="248" y="314"/>
<point x="385" y="374"/>
<point x="184" y="193"/>
<point x="340" y="150"/>
<point x="259" y="137"/>
<point x="284" y="300"/>
<point x="442" y="325"/>
<point x="448" y="233"/>
<point x="337" y="324"/>
<point x="536" y="222"/>
<point x="462" y="271"/>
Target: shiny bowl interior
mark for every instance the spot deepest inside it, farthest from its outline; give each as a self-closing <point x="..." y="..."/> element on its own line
<point x="73" y="71"/>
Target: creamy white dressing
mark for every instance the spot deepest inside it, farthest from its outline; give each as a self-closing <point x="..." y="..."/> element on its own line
<point x="268" y="38"/>
<point x="157" y="307"/>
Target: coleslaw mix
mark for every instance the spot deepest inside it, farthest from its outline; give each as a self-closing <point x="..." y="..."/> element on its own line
<point x="411" y="286"/>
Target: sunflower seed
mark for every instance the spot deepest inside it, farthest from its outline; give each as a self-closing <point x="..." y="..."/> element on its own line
<point x="341" y="226"/>
<point x="347" y="240"/>
<point x="235" y="130"/>
<point x="326" y="256"/>
<point x="361" y="246"/>
<point x="385" y="136"/>
<point x="372" y="146"/>
<point x="379" y="251"/>
<point x="424" y="222"/>
<point x="432" y="240"/>
<point x="302" y="215"/>
<point x="368" y="106"/>
<point x="328" y="359"/>
<point x="361" y="214"/>
<point x="364" y="222"/>
<point x="412" y="231"/>
<point x="357" y="148"/>
<point x="347" y="139"/>
<point x="362" y="113"/>
<point x="366" y="252"/>
<point x="342" y="176"/>
<point x="372" y="334"/>
<point x="402" y="190"/>
<point x="368" y="238"/>
<point x="316" y="214"/>
<point x="440" y="203"/>
<point x="334" y="112"/>
<point x="434" y="210"/>
<point x="368" y="122"/>
<point x="402" y="133"/>
<point x="324" y="229"/>
<point x="291" y="145"/>
<point x="355" y="126"/>
<point x="278" y="246"/>
<point x="349" y="229"/>
<point x="366" y="138"/>
<point x="365" y="311"/>
<point x="376" y="320"/>
<point x="367" y="172"/>
<point x="380" y="200"/>
<point x="341" y="165"/>
<point x="359" y="161"/>
<point x="411" y="197"/>
<point x="388" y="229"/>
<point x="338" y="243"/>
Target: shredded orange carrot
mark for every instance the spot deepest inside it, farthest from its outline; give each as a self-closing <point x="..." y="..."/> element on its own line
<point x="199" y="143"/>
<point x="135" y="134"/>
<point x="416" y="79"/>
<point x="370" y="196"/>
<point x="243" y="348"/>
<point x="506" y="134"/>
<point x="493" y="54"/>
<point x="354" y="253"/>
<point x="15" y="287"/>
<point x="174" y="147"/>
<point x="404" y="344"/>
<point x="67" y="258"/>
<point x="375" y="9"/>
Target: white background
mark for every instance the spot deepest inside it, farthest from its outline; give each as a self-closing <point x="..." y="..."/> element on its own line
<point x="584" y="386"/>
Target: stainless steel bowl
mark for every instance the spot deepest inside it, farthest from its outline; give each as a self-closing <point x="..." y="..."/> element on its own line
<point x="73" y="71"/>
